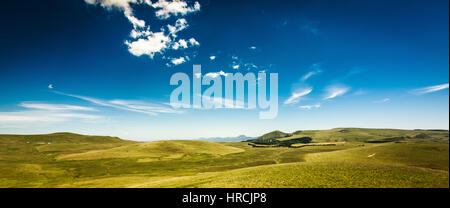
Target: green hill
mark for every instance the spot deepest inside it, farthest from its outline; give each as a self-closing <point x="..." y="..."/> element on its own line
<point x="354" y="135"/>
<point x="270" y="137"/>
<point x="156" y="150"/>
<point x="357" y="158"/>
<point x="388" y="165"/>
<point x="58" y="138"/>
<point x="35" y="146"/>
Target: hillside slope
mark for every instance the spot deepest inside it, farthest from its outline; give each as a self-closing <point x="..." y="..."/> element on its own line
<point x="393" y="165"/>
<point x="36" y="146"/>
<point x="354" y="135"/>
<point x="393" y="158"/>
<point x="158" y="149"/>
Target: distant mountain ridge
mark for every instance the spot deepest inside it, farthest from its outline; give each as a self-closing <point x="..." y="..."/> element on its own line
<point x="239" y="138"/>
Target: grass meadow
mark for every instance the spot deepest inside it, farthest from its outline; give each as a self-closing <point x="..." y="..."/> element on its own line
<point x="420" y="159"/>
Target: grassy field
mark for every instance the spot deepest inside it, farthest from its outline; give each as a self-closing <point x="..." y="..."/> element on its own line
<point x="419" y="159"/>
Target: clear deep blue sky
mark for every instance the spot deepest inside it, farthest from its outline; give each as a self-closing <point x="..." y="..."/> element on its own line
<point x="375" y="64"/>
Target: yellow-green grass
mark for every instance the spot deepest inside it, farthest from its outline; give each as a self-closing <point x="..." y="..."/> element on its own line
<point x="33" y="147"/>
<point x="318" y="144"/>
<point x="70" y="160"/>
<point x="315" y="175"/>
<point x="432" y="155"/>
<point x="360" y="134"/>
<point x="158" y="149"/>
<point x="295" y="136"/>
<point x="115" y="172"/>
<point x="412" y="164"/>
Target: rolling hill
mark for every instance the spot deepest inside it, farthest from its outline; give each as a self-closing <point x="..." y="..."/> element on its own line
<point x="156" y="150"/>
<point x="353" y="135"/>
<point x="357" y="158"/>
<point x="388" y="165"/>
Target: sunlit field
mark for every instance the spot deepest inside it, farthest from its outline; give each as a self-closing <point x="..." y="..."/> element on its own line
<point x="351" y="158"/>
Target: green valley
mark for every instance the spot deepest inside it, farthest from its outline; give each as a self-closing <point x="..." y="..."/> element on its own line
<point x="341" y="157"/>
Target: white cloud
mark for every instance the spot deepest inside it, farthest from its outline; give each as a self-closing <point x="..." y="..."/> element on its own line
<point x="253" y="47"/>
<point x="308" y="75"/>
<point x="124" y="6"/>
<point x="45" y="112"/>
<point x="216" y="74"/>
<point x="236" y="63"/>
<point x="315" y="70"/>
<point x="250" y="66"/>
<point x="135" y="21"/>
<point x="180" y="44"/>
<point x="178" y="61"/>
<point x="309" y="107"/>
<point x="185" y="44"/>
<point x="152" y="44"/>
<point x="166" y="9"/>
<point x="43" y="116"/>
<point x="360" y="92"/>
<point x="295" y="97"/>
<point x="223" y="102"/>
<point x="382" y="100"/>
<point x="212" y="57"/>
<point x="128" y="105"/>
<point x="146" y="42"/>
<point x="55" y="107"/>
<point x="335" y="91"/>
<point x="50" y="86"/>
<point x="144" y="107"/>
<point x="193" y="42"/>
<point x="180" y="25"/>
<point x="135" y="33"/>
<point x="76" y="116"/>
<point x="11" y="117"/>
<point x="430" y="89"/>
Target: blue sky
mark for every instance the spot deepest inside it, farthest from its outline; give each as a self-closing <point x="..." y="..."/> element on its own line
<point x="375" y="64"/>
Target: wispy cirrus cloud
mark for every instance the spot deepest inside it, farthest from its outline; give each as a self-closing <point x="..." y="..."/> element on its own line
<point x="144" y="107"/>
<point x="55" y="107"/>
<point x="430" y="89"/>
<point x="335" y="91"/>
<point x="220" y="102"/>
<point x="309" y="107"/>
<point x="128" y="105"/>
<point x="295" y="97"/>
<point x="385" y="100"/>
<point x="47" y="112"/>
<point x="43" y="116"/>
<point x="360" y="92"/>
<point x="315" y="69"/>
